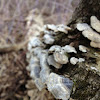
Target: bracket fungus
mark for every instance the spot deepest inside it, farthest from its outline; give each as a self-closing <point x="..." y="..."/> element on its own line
<point x="51" y="61"/>
<point x="50" y="27"/>
<point x="89" y="33"/>
<point x="60" y="57"/>
<point x="57" y="28"/>
<point x="44" y="57"/>
<point x="54" y="48"/>
<point x="81" y="60"/>
<point x="73" y="60"/>
<point x="95" y="44"/>
<point x="82" y="48"/>
<point x="46" y="53"/>
<point x="95" y="23"/>
<point x="48" y="39"/>
<point x="69" y="49"/>
<point x="59" y="86"/>
<point x="82" y="26"/>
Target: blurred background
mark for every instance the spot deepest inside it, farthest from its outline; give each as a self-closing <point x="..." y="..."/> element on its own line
<point x="15" y="83"/>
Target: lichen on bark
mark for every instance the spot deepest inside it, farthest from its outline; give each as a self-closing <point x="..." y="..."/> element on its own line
<point x="86" y="79"/>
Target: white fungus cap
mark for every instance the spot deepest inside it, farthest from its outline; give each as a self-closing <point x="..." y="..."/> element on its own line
<point x="73" y="60"/>
<point x="82" y="26"/>
<point x="82" y="48"/>
<point x="95" y="23"/>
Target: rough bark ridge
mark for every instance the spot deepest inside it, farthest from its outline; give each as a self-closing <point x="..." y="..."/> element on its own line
<point x="85" y="10"/>
<point x="86" y="81"/>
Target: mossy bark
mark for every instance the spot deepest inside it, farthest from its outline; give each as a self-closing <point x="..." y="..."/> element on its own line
<point x="86" y="80"/>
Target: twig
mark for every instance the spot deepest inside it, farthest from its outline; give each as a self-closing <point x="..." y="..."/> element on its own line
<point x="12" y="47"/>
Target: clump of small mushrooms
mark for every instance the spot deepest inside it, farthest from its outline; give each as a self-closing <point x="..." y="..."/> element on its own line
<point x="91" y="32"/>
<point x="43" y="54"/>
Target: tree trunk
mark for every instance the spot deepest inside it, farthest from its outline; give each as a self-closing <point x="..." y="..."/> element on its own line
<point x="86" y="80"/>
<point x="85" y="75"/>
<point x="85" y="10"/>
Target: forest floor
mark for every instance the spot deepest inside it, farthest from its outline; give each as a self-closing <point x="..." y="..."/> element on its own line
<point x="13" y="43"/>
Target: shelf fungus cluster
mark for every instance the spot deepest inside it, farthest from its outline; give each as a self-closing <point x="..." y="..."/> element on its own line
<point x="91" y="32"/>
<point x="44" y="55"/>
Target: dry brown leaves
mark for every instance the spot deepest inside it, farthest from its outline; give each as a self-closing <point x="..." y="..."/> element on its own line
<point x="13" y="74"/>
<point x="35" y="94"/>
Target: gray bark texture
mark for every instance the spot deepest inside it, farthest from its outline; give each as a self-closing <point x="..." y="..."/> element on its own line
<point x="86" y="81"/>
<point x="85" y="10"/>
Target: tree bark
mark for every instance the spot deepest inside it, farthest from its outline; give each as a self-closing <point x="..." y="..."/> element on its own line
<point x="86" y="80"/>
<point x="85" y="10"/>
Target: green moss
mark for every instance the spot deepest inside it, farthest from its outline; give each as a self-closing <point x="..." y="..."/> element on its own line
<point x="83" y="90"/>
